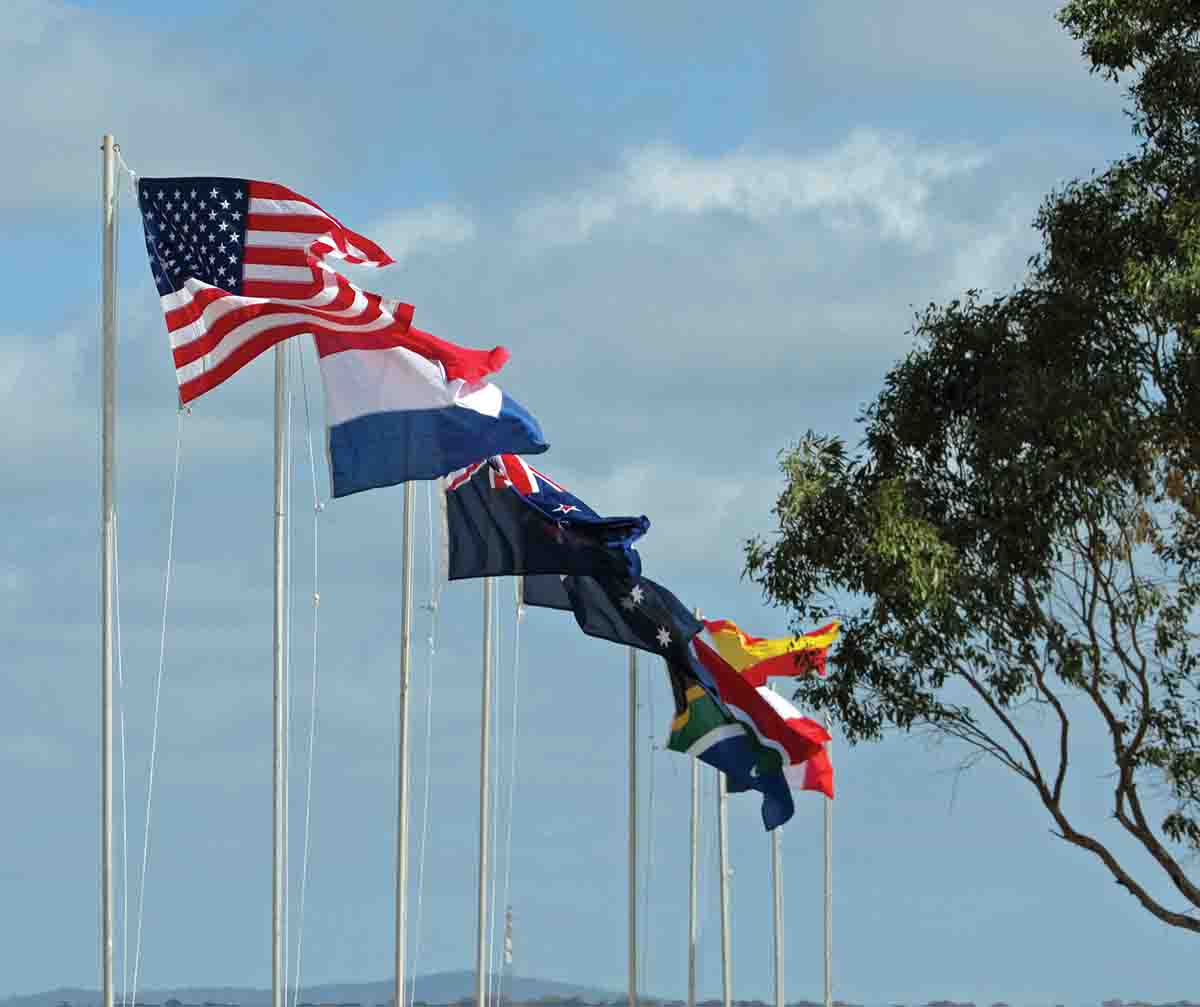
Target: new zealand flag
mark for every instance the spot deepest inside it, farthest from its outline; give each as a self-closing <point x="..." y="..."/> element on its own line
<point x="504" y="517"/>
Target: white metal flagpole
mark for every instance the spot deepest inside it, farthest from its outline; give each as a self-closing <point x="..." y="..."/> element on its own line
<point x="777" y="887"/>
<point x="402" y="749"/>
<point x="693" y="885"/>
<point x="485" y="717"/>
<point x="828" y="891"/>
<point x="723" y="837"/>
<point x="632" y="827"/>
<point x="108" y="369"/>
<point x="694" y="876"/>
<point x="723" y="870"/>
<point x="277" y="980"/>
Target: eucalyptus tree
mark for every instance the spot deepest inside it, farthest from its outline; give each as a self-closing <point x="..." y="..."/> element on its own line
<point x="1019" y="529"/>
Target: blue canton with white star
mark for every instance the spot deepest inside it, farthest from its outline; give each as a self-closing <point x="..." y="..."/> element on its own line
<point x="195" y="227"/>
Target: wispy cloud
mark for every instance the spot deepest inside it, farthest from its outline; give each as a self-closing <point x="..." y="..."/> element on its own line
<point x="73" y="73"/>
<point x="424" y="229"/>
<point x="870" y="180"/>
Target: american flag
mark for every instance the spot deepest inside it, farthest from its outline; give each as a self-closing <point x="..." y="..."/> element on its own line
<point x="241" y="265"/>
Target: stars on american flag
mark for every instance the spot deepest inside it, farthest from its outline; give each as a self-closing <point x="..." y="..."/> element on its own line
<point x="182" y="225"/>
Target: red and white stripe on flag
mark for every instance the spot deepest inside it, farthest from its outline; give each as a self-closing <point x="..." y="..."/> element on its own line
<point x="286" y="290"/>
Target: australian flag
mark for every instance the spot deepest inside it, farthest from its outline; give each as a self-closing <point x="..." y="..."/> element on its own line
<point x="634" y="611"/>
<point x="504" y="517"/>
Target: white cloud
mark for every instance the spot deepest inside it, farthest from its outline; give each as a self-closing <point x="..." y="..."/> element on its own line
<point x="37" y="408"/>
<point x="993" y="258"/>
<point x="49" y="406"/>
<point x="873" y="180"/>
<point x="405" y="232"/>
<point x="719" y="505"/>
<point x="69" y="74"/>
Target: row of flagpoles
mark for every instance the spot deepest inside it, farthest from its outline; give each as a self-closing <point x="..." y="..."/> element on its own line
<point x="108" y="511"/>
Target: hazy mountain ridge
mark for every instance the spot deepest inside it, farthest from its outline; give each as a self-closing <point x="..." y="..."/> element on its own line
<point x="437" y="988"/>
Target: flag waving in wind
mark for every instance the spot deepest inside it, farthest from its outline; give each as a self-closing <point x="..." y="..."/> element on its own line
<point x="758" y="659"/>
<point x="719" y="718"/>
<point x="397" y="413"/>
<point x="240" y="265"/>
<point x="760" y="712"/>
<point x="504" y="517"/>
<point x="705" y="729"/>
<point x="816" y="773"/>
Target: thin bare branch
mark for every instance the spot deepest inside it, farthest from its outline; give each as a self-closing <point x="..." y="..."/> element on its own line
<point x="1034" y="774"/>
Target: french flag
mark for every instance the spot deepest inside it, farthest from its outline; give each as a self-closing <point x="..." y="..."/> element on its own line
<point x="403" y="408"/>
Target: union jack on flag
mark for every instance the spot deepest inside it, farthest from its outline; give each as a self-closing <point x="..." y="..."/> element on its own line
<point x="241" y="265"/>
<point x="504" y="517"/>
<point x="513" y="472"/>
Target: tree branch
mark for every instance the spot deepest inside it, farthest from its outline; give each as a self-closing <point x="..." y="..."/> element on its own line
<point x="1034" y="773"/>
<point x="1182" y="920"/>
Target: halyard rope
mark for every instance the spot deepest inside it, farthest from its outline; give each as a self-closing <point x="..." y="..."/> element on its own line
<point x="318" y="507"/>
<point x="431" y="655"/>
<point x="162" y="650"/>
<point x="649" y="868"/>
<point x="494" y="785"/>
<point x="124" y="779"/>
<point x="512" y="753"/>
<point x="288" y="474"/>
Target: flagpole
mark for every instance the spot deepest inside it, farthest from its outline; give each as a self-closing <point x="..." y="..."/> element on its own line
<point x="402" y="748"/>
<point x="632" y="827"/>
<point x="777" y="887"/>
<point x="108" y="329"/>
<point x="485" y="716"/>
<point x="277" y="992"/>
<point x="693" y="883"/>
<point x="723" y="868"/>
<point x="828" y="892"/>
<point x="723" y="836"/>
<point x="777" y="868"/>
<point x="694" y="876"/>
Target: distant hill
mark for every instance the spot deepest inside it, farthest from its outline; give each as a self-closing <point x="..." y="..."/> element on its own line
<point x="438" y="987"/>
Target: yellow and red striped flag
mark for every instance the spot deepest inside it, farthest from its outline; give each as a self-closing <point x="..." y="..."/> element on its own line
<point x="756" y="659"/>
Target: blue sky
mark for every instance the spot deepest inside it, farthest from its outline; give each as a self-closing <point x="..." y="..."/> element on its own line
<point x="701" y="230"/>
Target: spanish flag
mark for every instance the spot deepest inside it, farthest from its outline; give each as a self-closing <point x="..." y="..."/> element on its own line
<point x="757" y="659"/>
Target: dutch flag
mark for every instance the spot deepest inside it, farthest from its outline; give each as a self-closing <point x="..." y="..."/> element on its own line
<point x="414" y="407"/>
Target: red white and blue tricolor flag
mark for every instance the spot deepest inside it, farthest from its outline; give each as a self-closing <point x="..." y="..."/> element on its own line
<point x="395" y="414"/>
